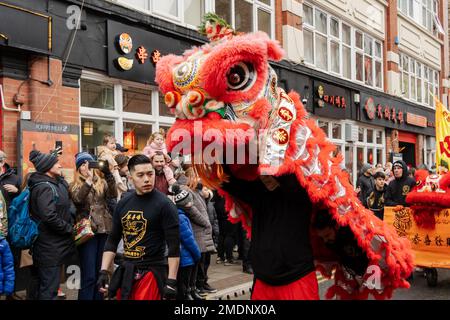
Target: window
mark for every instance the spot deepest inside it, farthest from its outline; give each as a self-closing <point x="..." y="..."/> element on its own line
<point x="418" y="81"/>
<point x="328" y="45"/>
<point x="247" y="15"/>
<point x="424" y="12"/>
<point x="243" y="15"/>
<point x="97" y="95"/>
<point x="131" y="119"/>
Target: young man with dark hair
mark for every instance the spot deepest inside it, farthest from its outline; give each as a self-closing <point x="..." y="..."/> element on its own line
<point x="375" y="199"/>
<point x="399" y="188"/>
<point x="146" y="220"/>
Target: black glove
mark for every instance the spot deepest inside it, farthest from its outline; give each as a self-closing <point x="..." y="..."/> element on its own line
<point x="103" y="279"/>
<point x="170" y="290"/>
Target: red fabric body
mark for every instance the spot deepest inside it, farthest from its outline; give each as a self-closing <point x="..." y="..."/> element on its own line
<point x="144" y="289"/>
<point x="306" y="288"/>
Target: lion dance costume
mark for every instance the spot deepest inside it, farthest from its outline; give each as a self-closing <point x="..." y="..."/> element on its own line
<point x="228" y="84"/>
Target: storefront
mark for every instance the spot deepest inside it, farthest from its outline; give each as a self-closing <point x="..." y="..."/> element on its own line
<point x="410" y="128"/>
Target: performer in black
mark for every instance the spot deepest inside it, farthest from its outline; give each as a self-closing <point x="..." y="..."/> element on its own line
<point x="146" y="220"/>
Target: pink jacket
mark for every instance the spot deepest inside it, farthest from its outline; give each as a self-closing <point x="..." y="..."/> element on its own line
<point x="151" y="149"/>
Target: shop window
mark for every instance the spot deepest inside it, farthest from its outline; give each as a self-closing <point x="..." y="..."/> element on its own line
<point x="361" y="134"/>
<point x="379" y="137"/>
<point x="337" y="131"/>
<point x="380" y="156"/>
<point x="369" y="136"/>
<point x="97" y="95"/>
<point x="359" y="158"/>
<point x="163" y="109"/>
<point x="135" y="136"/>
<point x="370" y="156"/>
<point x="92" y="132"/>
<point x="324" y="126"/>
<point x="137" y="100"/>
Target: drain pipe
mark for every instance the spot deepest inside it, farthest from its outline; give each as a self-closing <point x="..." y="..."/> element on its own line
<point x="4" y="107"/>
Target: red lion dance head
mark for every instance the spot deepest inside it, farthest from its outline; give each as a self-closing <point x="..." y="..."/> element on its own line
<point x="228" y="86"/>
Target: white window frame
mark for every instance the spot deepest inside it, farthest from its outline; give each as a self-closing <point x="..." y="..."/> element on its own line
<point x="208" y="6"/>
<point x="424" y="81"/>
<point x="117" y="115"/>
<point x="342" y="143"/>
<point x="352" y="46"/>
<point x="416" y="13"/>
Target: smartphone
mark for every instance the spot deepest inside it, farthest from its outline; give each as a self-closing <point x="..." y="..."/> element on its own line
<point x="93" y="165"/>
<point x="58" y="144"/>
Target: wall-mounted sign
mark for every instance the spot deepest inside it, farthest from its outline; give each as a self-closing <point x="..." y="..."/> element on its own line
<point x="125" y="43"/>
<point x="382" y="110"/>
<point x="331" y="101"/>
<point x="133" y="52"/>
<point x="323" y="99"/>
<point x="416" y="120"/>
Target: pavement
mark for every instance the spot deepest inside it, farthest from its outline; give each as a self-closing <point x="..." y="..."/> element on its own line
<point x="233" y="284"/>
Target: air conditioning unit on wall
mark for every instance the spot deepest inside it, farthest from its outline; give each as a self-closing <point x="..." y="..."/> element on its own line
<point x="351" y="132"/>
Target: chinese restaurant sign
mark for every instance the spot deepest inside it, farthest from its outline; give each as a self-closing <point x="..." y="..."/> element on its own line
<point x="331" y="101"/>
<point x="394" y="114"/>
<point x="133" y="52"/>
<point x="431" y="247"/>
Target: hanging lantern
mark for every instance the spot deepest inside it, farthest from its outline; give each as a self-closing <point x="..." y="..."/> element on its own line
<point x="129" y="139"/>
<point x="88" y="128"/>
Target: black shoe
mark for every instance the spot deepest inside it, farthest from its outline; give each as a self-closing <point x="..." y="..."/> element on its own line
<point x="188" y="296"/>
<point x="209" y="289"/>
<point x="230" y="262"/>
<point x="202" y="292"/>
<point x="248" y="270"/>
<point x="195" y="295"/>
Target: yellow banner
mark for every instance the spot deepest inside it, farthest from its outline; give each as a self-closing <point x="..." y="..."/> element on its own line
<point x="442" y="135"/>
<point x="431" y="247"/>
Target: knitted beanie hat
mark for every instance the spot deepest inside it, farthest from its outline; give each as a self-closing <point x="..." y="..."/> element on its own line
<point x="43" y="162"/>
<point x="181" y="197"/>
<point x="82" y="157"/>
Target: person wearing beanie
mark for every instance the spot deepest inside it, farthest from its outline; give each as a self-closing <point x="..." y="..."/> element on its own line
<point x="375" y="199"/>
<point x="365" y="183"/>
<point x="189" y="251"/>
<point x="9" y="181"/>
<point x="92" y="191"/>
<point x="50" y="204"/>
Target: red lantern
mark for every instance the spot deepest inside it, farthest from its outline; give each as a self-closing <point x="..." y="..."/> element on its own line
<point x="129" y="139"/>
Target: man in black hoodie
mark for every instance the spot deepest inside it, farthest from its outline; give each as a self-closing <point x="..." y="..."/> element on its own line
<point x="399" y="187"/>
<point x="50" y="205"/>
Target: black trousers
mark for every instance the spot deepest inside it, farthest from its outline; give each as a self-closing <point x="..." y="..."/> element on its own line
<point x="228" y="233"/>
<point x="184" y="281"/>
<point x="244" y="249"/>
<point x="202" y="269"/>
<point x="44" y="283"/>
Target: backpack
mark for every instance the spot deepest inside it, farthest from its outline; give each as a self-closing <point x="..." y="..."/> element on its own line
<point x="23" y="229"/>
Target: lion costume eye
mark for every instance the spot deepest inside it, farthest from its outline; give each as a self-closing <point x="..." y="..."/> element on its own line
<point x="241" y="76"/>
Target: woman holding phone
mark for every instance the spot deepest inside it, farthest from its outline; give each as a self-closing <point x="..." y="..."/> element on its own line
<point x="92" y="191"/>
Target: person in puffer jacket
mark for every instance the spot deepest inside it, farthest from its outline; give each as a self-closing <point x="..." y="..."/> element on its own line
<point x="7" y="275"/>
<point x="189" y="251"/>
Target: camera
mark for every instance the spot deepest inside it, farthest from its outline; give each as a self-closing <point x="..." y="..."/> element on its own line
<point x="101" y="164"/>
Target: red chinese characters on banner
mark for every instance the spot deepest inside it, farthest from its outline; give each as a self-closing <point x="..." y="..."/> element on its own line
<point x="337" y="101"/>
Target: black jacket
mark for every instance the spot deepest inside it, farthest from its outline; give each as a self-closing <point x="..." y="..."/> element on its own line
<point x="55" y="242"/>
<point x="375" y="202"/>
<point x="281" y="249"/>
<point x="366" y="184"/>
<point x="9" y="177"/>
<point x="399" y="187"/>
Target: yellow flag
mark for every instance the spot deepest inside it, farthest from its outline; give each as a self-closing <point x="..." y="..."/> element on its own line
<point x="442" y="135"/>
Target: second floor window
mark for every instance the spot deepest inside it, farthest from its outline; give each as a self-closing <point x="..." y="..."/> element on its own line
<point x="418" y="81"/>
<point x="424" y="12"/>
<point x="334" y="46"/>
